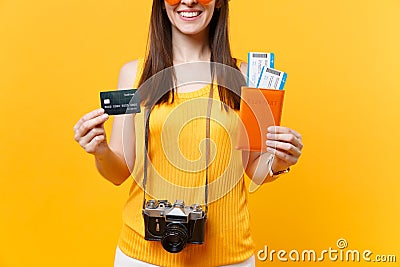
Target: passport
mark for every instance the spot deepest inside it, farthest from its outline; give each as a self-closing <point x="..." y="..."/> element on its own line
<point x="259" y="109"/>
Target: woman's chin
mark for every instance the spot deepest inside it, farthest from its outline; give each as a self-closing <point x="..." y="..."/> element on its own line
<point x="190" y="30"/>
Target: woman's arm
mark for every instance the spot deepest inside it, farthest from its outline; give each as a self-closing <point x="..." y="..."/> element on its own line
<point x="114" y="161"/>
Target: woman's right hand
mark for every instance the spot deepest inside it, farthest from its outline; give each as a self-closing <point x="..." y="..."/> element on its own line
<point x="90" y="133"/>
<point x="112" y="161"/>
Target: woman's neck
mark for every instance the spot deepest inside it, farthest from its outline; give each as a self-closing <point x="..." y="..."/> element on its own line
<point x="189" y="48"/>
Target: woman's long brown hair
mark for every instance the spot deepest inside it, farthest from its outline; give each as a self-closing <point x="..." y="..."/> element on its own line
<point x="159" y="56"/>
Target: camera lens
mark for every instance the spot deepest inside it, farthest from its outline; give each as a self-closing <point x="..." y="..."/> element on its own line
<point x="174" y="238"/>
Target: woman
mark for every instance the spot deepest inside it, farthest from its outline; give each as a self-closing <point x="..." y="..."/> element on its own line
<point x="182" y="32"/>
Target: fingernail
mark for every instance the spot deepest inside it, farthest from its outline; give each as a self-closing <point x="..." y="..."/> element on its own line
<point x="269" y="135"/>
<point x="105" y="115"/>
<point x="270" y="128"/>
<point x="269" y="143"/>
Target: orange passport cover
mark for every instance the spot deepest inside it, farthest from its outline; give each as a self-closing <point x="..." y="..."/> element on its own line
<point x="259" y="109"/>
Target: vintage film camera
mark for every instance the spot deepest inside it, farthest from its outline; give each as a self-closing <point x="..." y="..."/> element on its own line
<point x="174" y="225"/>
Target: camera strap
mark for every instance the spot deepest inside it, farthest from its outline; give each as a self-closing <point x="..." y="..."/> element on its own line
<point x="146" y="146"/>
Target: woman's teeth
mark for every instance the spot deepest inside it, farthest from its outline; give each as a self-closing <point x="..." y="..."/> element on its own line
<point x="190" y="14"/>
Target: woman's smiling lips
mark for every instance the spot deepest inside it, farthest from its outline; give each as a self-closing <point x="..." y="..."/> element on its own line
<point x="189" y="14"/>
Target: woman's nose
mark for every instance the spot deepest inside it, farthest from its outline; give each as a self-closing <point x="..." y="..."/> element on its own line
<point x="189" y="2"/>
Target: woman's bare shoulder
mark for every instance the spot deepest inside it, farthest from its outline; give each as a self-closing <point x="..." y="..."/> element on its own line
<point x="243" y="67"/>
<point x="127" y="74"/>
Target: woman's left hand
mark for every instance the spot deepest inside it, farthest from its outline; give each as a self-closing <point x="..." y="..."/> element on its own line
<point x="286" y="144"/>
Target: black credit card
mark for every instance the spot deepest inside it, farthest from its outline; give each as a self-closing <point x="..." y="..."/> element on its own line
<point x="120" y="102"/>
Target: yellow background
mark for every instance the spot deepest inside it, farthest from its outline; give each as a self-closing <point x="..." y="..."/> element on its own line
<point x="343" y="96"/>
